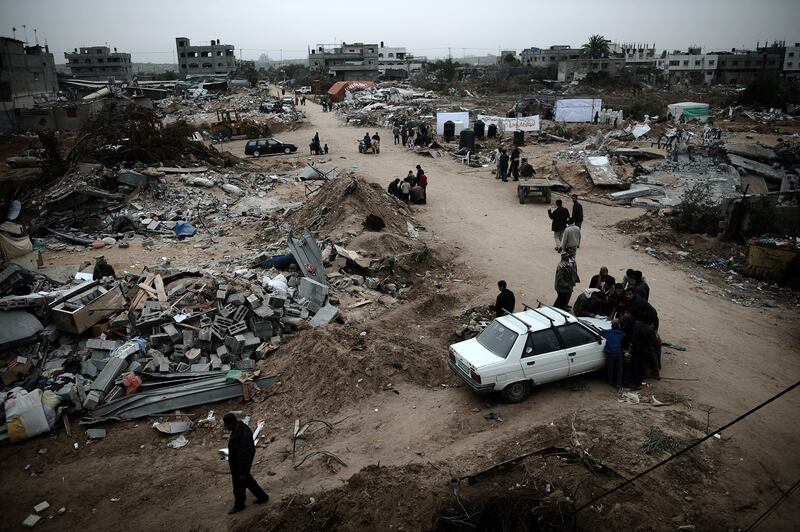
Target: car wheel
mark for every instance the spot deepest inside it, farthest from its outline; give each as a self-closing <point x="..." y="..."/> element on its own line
<point x="516" y="392"/>
<point x="256" y="153"/>
<point x="287" y="151"/>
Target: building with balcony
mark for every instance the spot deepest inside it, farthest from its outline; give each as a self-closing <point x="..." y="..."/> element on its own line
<point x="27" y="74"/>
<point x="99" y="63"/>
<point x="639" y="55"/>
<point x="346" y="62"/>
<point x="212" y="58"/>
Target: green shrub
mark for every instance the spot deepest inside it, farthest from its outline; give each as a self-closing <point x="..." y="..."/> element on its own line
<point x="697" y="213"/>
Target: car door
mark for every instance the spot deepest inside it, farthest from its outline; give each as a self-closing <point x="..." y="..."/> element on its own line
<point x="544" y="359"/>
<point x="273" y="146"/>
<point x="584" y="352"/>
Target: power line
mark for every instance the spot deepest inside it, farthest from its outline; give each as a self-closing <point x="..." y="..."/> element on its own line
<point x="772" y="508"/>
<point x="685" y="449"/>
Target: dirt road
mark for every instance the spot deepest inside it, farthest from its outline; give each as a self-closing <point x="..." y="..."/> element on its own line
<point x="736" y="357"/>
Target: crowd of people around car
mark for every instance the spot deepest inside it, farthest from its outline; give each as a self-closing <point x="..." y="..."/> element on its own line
<point x="412" y="189"/>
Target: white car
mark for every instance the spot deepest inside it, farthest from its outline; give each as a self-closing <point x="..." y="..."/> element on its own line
<point x="519" y="351"/>
<point x="304" y="90"/>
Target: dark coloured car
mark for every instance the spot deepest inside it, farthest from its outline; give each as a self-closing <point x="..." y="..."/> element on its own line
<point x="270" y="106"/>
<point x="259" y="147"/>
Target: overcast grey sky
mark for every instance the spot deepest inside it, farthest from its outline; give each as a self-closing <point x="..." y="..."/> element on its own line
<point x="147" y="28"/>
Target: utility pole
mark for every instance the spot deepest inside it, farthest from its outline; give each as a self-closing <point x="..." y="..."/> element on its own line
<point x="449" y="55"/>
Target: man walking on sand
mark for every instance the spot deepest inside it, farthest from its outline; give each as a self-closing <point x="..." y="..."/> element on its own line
<point x="241" y="451"/>
<point x="559" y="216"/>
<point x="577" y="212"/>
<point x="565" y="282"/>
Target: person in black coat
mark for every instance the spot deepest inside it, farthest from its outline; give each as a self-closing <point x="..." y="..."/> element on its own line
<point x="577" y="212"/>
<point x="394" y="188"/>
<point x="559" y="216"/>
<point x="639" y="308"/>
<point x="503" y="165"/>
<point x="505" y="300"/>
<point x="241" y="451"/>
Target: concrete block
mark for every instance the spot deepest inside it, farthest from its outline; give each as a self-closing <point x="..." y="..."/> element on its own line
<point x="199" y="367"/>
<point x="264" y="311"/>
<point x="261" y="328"/>
<point x="31" y="521"/>
<point x="134" y="366"/>
<point x="251" y="342"/>
<point x="111" y="371"/>
<point x="171" y="331"/>
<point x="237" y="328"/>
<point x="155" y="225"/>
<point x="41" y="507"/>
<point x="246" y="364"/>
<point x="160" y="339"/>
<point x="314" y="292"/>
<point x="235" y="344"/>
<point x="253" y="301"/>
<point x="93" y="434"/>
<point x="236" y="299"/>
<point x="324" y="316"/>
<point x="131" y="178"/>
<point x="93" y="398"/>
<point x="223" y="353"/>
<point x="183" y="367"/>
<point x="222" y="295"/>
<point x="216" y="362"/>
<point x="276" y="301"/>
<point x="188" y="339"/>
<point x="99" y="365"/>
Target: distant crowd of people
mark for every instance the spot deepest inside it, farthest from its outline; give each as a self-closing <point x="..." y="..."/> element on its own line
<point x="316" y="148"/>
<point x="412" y="189"/>
<point x="404" y="134"/>
<point x="513" y="165"/>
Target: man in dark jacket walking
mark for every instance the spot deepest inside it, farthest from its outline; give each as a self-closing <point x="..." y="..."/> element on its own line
<point x="503" y="165"/>
<point x="565" y="282"/>
<point x="505" y="300"/>
<point x="577" y="212"/>
<point x="559" y="216"/>
<point x="514" y="169"/>
<point x="241" y="451"/>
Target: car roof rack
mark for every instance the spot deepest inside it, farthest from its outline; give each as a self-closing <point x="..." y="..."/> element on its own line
<point x="537" y="311"/>
<point x="527" y="326"/>
<point x="558" y="311"/>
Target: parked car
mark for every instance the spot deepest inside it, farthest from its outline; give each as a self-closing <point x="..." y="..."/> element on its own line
<point x="270" y="106"/>
<point x="287" y="100"/>
<point x="259" y="147"/>
<point x="519" y="351"/>
<point x="305" y="89"/>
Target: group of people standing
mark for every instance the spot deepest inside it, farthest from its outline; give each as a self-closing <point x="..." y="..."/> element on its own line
<point x="404" y="134"/>
<point x="412" y="189"/>
<point x="512" y="165"/>
<point x="316" y="148"/>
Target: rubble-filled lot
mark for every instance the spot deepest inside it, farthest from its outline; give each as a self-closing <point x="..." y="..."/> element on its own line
<point x="364" y="427"/>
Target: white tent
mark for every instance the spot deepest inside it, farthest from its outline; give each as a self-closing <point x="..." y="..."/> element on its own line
<point x="577" y="109"/>
<point x="689" y="110"/>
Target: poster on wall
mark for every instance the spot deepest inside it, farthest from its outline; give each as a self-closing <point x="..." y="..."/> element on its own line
<point x="441" y="118"/>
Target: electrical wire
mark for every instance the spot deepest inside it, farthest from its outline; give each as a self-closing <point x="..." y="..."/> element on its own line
<point x="773" y="507"/>
<point x="685" y="449"/>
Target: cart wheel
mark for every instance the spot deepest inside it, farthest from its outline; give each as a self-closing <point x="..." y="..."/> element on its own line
<point x="521" y="194"/>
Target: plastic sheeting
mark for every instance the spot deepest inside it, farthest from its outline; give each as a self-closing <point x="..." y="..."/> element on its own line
<point x="689" y="110"/>
<point x="577" y="109"/>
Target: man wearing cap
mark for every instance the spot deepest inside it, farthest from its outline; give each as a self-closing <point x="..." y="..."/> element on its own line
<point x="565" y="282"/>
<point x="241" y="451"/>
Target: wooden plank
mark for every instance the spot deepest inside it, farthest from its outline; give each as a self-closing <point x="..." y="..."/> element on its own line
<point x="148" y="289"/>
<point x="162" y="294"/>
<point x="142" y="295"/>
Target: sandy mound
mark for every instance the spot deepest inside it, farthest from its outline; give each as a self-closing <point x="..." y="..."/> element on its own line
<point x="340" y="207"/>
<point x="321" y="370"/>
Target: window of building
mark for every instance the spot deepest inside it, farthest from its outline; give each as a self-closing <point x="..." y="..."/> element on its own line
<point x="219" y="54"/>
<point x="711" y="62"/>
<point x="674" y="63"/>
<point x="747" y="63"/>
<point x="686" y="62"/>
<point x="181" y="43"/>
<point x="696" y="62"/>
<point x="183" y="66"/>
<point x="205" y="54"/>
<point x="183" y="54"/>
<point x="789" y="64"/>
<point x="207" y="65"/>
<point x="552" y="58"/>
<point x="192" y="65"/>
<point x="100" y="60"/>
<point x="380" y="56"/>
<point x="604" y="66"/>
<point x="219" y="64"/>
<point x="35" y="76"/>
<point x="391" y="55"/>
<point x="735" y="63"/>
<point x="722" y="63"/>
<point x="87" y="60"/>
<point x="5" y="91"/>
<point x="791" y="54"/>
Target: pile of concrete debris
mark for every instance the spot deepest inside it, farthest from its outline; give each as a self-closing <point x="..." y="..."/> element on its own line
<point x="188" y="336"/>
<point x="383" y="106"/>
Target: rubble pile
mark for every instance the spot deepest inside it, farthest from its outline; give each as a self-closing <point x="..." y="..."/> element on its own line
<point x="247" y="103"/>
<point x="383" y="106"/>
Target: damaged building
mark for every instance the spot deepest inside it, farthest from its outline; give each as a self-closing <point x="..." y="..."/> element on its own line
<point x="99" y="63"/>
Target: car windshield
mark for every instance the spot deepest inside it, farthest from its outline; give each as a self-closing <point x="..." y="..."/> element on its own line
<point x="497" y="338"/>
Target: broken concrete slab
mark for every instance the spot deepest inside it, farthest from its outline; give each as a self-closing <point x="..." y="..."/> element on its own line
<point x="640" y="153"/>
<point x="96" y="434"/>
<point x="637" y="191"/>
<point x="601" y="173"/>
<point x="31" y="521"/>
<point x="325" y="315"/>
<point x="131" y="178"/>
<point x="41" y="507"/>
<point x="751" y="151"/>
<point x="754" y="167"/>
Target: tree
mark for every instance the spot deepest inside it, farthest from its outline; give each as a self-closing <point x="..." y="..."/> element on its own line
<point x="509" y="59"/>
<point x="596" y="47"/>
